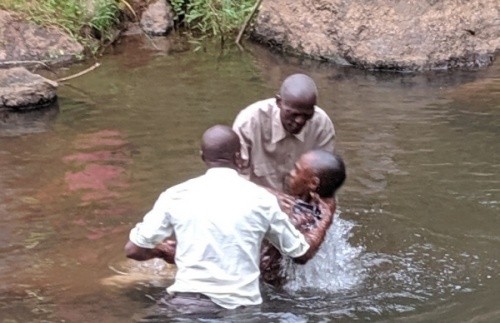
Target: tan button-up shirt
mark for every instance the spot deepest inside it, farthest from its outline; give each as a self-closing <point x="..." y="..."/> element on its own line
<point x="268" y="150"/>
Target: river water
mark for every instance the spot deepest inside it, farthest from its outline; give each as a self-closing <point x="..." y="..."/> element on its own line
<point x="417" y="237"/>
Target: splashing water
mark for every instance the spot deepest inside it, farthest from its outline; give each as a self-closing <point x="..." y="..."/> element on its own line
<point x="335" y="266"/>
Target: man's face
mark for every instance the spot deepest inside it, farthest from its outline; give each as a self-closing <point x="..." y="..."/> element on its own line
<point x="300" y="178"/>
<point x="294" y="115"/>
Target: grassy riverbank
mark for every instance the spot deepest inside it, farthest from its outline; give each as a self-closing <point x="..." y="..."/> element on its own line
<point x="94" y="22"/>
<point x="90" y="22"/>
<point x="213" y="18"/>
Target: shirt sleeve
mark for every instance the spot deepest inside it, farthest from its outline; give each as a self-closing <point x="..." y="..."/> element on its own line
<point x="242" y="127"/>
<point x="155" y="226"/>
<point x="326" y="135"/>
<point x="284" y="236"/>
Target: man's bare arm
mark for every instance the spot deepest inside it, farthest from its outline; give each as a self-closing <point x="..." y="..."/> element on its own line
<point x="165" y="251"/>
<point x="315" y="235"/>
<point x="313" y="229"/>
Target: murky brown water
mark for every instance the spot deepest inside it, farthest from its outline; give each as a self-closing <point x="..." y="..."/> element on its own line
<point x="418" y="237"/>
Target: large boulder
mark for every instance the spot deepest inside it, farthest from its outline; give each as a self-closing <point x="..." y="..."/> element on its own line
<point x="158" y="18"/>
<point x="23" y="42"/>
<point x="384" y="34"/>
<point x="22" y="90"/>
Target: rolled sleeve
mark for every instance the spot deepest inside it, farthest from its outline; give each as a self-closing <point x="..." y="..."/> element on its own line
<point x="243" y="129"/>
<point x="325" y="137"/>
<point x="285" y="237"/>
<point x="154" y="228"/>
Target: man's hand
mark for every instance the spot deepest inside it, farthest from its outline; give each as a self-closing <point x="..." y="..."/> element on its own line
<point x="166" y="250"/>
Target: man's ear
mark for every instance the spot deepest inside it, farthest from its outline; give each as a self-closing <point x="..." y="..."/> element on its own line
<point x="237" y="160"/>
<point x="202" y="156"/>
<point x="313" y="184"/>
<point x="278" y="100"/>
<point x="240" y="162"/>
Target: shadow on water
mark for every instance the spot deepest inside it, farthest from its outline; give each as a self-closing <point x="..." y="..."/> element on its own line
<point x="416" y="238"/>
<point x="17" y="123"/>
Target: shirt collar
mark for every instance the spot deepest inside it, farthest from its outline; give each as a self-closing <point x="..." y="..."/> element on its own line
<point x="221" y="171"/>
<point x="278" y="132"/>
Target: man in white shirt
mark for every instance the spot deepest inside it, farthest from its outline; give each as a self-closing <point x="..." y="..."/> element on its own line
<point x="219" y="221"/>
<point x="275" y="132"/>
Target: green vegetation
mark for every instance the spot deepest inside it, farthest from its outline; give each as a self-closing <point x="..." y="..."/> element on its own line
<point x="212" y="18"/>
<point x="91" y="22"/>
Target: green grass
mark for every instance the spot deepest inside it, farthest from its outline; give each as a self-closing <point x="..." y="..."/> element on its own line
<point x="86" y="24"/>
<point x="212" y="18"/>
<point x="92" y="22"/>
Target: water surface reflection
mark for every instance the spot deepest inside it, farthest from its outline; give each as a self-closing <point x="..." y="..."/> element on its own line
<point x="417" y="233"/>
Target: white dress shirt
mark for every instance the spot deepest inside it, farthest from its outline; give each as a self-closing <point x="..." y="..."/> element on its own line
<point x="219" y="221"/>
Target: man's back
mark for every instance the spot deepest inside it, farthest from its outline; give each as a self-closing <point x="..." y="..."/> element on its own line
<point x="220" y="220"/>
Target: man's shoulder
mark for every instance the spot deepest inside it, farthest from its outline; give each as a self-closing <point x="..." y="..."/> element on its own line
<point x="256" y="188"/>
<point x="321" y="121"/>
<point x="320" y="114"/>
<point x="257" y="110"/>
<point x="256" y="119"/>
<point x="258" y="192"/>
<point x="187" y="185"/>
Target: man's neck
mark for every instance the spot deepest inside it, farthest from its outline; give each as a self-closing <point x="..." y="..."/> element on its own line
<point x="219" y="164"/>
<point x="306" y="197"/>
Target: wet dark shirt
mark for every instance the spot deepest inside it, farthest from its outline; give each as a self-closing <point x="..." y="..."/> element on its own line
<point x="304" y="216"/>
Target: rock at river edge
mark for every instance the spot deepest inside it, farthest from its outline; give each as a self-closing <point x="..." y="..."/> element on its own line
<point x="22" y="41"/>
<point x="23" y="90"/>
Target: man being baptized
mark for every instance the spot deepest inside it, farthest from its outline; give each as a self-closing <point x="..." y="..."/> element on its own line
<point x="309" y="200"/>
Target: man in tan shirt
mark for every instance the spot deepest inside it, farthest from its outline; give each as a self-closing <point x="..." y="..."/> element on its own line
<point x="275" y="132"/>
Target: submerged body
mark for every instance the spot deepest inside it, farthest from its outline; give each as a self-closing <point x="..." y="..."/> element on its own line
<point x="304" y="216"/>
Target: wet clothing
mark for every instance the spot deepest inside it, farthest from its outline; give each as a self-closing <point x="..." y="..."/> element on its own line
<point x="304" y="216"/>
<point x="269" y="150"/>
<point x="219" y="221"/>
<point x="190" y="303"/>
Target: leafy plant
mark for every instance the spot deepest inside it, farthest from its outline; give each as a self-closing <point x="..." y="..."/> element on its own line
<point x="105" y="17"/>
<point x="91" y="20"/>
<point x="212" y="18"/>
<point x="84" y="20"/>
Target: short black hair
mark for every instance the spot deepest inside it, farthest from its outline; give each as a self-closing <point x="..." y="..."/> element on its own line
<point x="219" y="143"/>
<point x="330" y="169"/>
